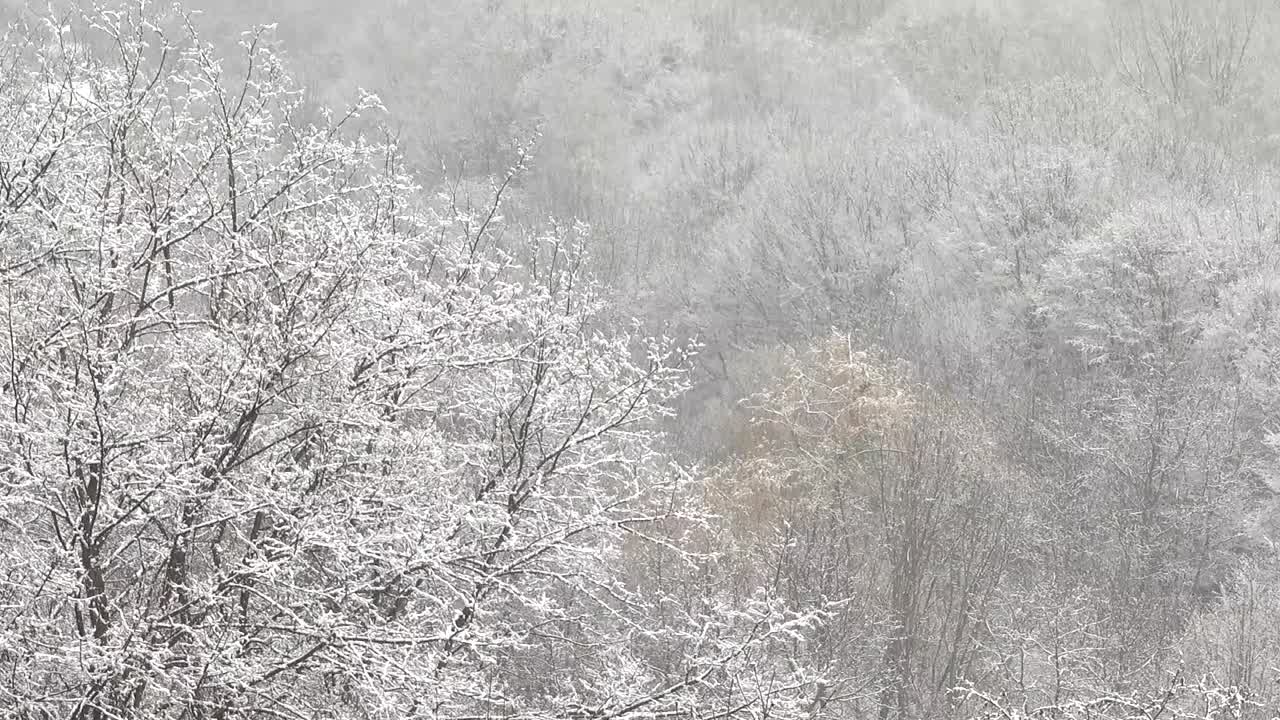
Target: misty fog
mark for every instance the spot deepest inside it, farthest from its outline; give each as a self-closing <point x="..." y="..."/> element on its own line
<point x="614" y="360"/>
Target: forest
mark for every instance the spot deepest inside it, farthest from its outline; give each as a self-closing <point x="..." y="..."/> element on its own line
<point x="612" y="360"/>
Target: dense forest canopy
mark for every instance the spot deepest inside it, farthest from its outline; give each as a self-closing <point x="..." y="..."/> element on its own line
<point x="706" y="359"/>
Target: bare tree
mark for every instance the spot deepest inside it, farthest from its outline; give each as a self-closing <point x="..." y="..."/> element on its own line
<point x="286" y="438"/>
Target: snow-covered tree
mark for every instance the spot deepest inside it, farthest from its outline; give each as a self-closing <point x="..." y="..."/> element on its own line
<point x="285" y="437"/>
